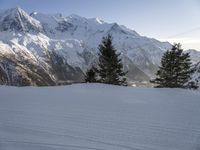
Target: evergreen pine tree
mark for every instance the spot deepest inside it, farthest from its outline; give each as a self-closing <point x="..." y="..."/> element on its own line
<point x="91" y="75"/>
<point x="175" y="69"/>
<point x="110" y="65"/>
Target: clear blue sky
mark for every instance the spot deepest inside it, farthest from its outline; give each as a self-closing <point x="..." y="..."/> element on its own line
<point x="173" y="20"/>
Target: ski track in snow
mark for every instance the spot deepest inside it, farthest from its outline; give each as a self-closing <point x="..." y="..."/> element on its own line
<point x="98" y="117"/>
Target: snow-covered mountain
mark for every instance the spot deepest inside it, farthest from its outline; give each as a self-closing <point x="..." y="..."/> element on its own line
<point x="45" y="49"/>
<point x="16" y="19"/>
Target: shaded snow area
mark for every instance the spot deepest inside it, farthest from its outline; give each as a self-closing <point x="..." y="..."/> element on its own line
<point x="99" y="117"/>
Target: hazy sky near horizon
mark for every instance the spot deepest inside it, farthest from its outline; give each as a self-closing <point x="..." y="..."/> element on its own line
<point x="171" y="20"/>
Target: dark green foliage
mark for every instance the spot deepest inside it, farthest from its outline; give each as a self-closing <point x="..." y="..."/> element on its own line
<point x="91" y="75"/>
<point x="110" y="65"/>
<point x="175" y="69"/>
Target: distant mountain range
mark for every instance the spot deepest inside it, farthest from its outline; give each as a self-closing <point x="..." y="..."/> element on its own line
<point x="43" y="49"/>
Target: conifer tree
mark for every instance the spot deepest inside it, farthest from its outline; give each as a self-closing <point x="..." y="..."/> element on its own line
<point x="91" y="75"/>
<point x="175" y="69"/>
<point x="110" y="65"/>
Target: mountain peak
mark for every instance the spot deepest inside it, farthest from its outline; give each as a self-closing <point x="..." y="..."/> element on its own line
<point x="94" y="20"/>
<point x="97" y="20"/>
<point x="18" y="20"/>
<point x="76" y="16"/>
<point x="17" y="9"/>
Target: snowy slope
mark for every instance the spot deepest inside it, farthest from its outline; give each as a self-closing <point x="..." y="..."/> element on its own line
<point x="196" y="75"/>
<point x="80" y="117"/>
<point x="195" y="55"/>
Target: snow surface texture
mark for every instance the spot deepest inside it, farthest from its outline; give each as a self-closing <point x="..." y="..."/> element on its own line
<point x="99" y="117"/>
